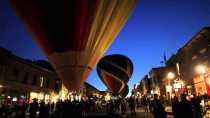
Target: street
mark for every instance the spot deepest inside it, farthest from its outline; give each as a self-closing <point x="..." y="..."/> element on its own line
<point x="139" y="114"/>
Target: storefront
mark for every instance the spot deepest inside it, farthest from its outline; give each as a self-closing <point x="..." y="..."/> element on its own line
<point x="179" y="87"/>
<point x="40" y="96"/>
<point x="202" y="84"/>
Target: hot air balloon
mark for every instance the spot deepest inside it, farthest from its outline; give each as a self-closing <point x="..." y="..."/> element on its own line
<point x="125" y="91"/>
<point x="74" y="34"/>
<point x="115" y="71"/>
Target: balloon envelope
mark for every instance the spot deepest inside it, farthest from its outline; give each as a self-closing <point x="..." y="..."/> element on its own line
<point x="74" y="34"/>
<point x="115" y="71"/>
<point x="125" y="91"/>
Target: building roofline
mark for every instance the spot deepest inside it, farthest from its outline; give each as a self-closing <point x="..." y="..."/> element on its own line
<point x="22" y="60"/>
<point x="193" y="38"/>
<point x="185" y="45"/>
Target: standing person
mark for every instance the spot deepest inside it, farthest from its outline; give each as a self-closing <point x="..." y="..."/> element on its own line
<point x="157" y="108"/>
<point x="34" y="106"/>
<point x="132" y="106"/>
<point x="42" y="110"/>
<point x="52" y="106"/>
<point x="47" y="110"/>
<point x="23" y="108"/>
<point x="198" y="111"/>
<point x="175" y="106"/>
<point x="123" y="106"/>
<point x="145" y="103"/>
<point x="185" y="108"/>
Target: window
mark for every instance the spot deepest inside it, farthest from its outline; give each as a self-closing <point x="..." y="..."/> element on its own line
<point x="1" y="71"/>
<point x="41" y="81"/>
<point x="34" y="80"/>
<point x="25" y="79"/>
<point x="202" y="51"/>
<point x="47" y="83"/>
<point x="15" y="73"/>
<point x="194" y="57"/>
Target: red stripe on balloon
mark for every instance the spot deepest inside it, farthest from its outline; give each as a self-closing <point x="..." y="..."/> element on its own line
<point x="59" y="26"/>
<point x="113" y="83"/>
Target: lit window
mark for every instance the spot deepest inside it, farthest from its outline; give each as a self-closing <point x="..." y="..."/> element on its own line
<point x="194" y="57"/>
<point x="41" y="81"/>
<point x="203" y="50"/>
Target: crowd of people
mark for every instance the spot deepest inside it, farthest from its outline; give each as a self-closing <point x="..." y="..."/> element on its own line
<point x="62" y="109"/>
<point x="183" y="108"/>
<point x="191" y="108"/>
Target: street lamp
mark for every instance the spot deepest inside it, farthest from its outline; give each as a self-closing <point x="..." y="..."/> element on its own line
<point x="200" y="69"/>
<point x="170" y="75"/>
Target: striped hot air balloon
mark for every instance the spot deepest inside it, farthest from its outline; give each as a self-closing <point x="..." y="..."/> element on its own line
<point x="125" y="91"/>
<point x="115" y="72"/>
<point x="74" y="34"/>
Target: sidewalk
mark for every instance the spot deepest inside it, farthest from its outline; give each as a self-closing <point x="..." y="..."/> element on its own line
<point x="149" y="115"/>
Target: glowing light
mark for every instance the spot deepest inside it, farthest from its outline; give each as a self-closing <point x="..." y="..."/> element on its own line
<point x="200" y="69"/>
<point x="55" y="98"/>
<point x="176" y="89"/>
<point x="107" y="97"/>
<point x="14" y="99"/>
<point x="156" y="92"/>
<point x="171" y="75"/>
<point x="72" y="98"/>
<point x="41" y="96"/>
<point x="168" y="88"/>
<point x="33" y="95"/>
<point x="62" y="96"/>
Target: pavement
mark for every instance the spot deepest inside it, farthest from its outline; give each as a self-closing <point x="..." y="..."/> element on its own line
<point x="139" y="114"/>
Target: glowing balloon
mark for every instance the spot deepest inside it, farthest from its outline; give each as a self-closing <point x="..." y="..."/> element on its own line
<point x="115" y="71"/>
<point x="74" y="34"/>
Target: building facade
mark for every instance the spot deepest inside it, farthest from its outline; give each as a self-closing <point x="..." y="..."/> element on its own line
<point x="193" y="53"/>
<point x="24" y="80"/>
<point x="144" y="87"/>
<point x="183" y="65"/>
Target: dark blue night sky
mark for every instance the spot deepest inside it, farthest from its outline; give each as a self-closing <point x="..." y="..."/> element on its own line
<point x="155" y="27"/>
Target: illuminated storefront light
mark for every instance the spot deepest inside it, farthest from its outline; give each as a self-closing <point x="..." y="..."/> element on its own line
<point x="107" y="97"/>
<point x="177" y="85"/>
<point x="14" y="99"/>
<point x="41" y="96"/>
<point x="80" y="97"/>
<point x="33" y="95"/>
<point x="200" y="69"/>
<point x="202" y="80"/>
<point x="54" y="97"/>
<point x="72" y="98"/>
<point x="168" y="88"/>
<point x="156" y="92"/>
